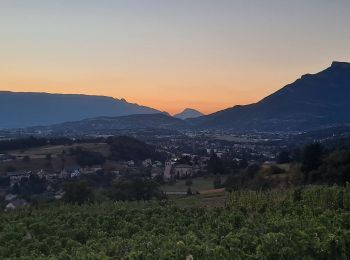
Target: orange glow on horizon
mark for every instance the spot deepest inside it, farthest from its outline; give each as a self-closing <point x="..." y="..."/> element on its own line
<point x="207" y="55"/>
<point x="171" y="93"/>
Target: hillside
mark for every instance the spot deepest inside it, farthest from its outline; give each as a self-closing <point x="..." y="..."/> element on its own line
<point x="19" y="110"/>
<point x="311" y="102"/>
<point x="106" y="125"/>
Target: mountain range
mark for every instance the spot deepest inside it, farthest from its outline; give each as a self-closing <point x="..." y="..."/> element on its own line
<point x="18" y="110"/>
<point x="311" y="102"/>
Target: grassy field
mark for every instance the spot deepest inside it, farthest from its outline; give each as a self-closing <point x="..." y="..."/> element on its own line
<point x="56" y="150"/>
<point x="199" y="184"/>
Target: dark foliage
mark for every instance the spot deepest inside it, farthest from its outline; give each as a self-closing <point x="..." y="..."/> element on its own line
<point x="284" y="157"/>
<point x="26" y="159"/>
<point x="100" y="178"/>
<point x="274" y="169"/>
<point x="252" y="170"/>
<point x="128" y="148"/>
<point x="30" y="186"/>
<point x="215" y="165"/>
<point x="4" y="181"/>
<point x="217" y="182"/>
<point x="78" y="192"/>
<point x="87" y="158"/>
<point x="135" y="189"/>
<point x="311" y="157"/>
<point x="185" y="160"/>
<point x="335" y="169"/>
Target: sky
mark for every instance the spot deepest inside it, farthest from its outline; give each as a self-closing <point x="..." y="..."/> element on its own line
<point x="169" y="54"/>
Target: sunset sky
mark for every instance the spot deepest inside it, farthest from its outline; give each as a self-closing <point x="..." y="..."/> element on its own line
<point x="169" y="54"/>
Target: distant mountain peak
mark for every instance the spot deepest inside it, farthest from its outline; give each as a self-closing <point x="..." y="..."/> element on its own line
<point x="340" y="64"/>
<point x="189" y="113"/>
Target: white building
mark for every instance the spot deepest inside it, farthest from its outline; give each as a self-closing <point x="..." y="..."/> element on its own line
<point x="172" y="170"/>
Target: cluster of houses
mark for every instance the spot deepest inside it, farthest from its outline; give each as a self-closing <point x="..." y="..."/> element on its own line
<point x="66" y="173"/>
<point x="174" y="170"/>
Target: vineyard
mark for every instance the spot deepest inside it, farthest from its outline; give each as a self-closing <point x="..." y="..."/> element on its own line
<point x="308" y="223"/>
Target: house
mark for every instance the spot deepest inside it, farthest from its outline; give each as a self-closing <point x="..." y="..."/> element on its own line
<point x="130" y="163"/>
<point x="16" y="177"/>
<point x="64" y="174"/>
<point x="156" y="171"/>
<point x="158" y="163"/>
<point x="147" y="162"/>
<point x="203" y="162"/>
<point x="75" y="174"/>
<point x="41" y="173"/>
<point x="59" y="195"/>
<point x="10" y="197"/>
<point x="172" y="170"/>
<point x="15" y="204"/>
<point x="52" y="177"/>
<point x="70" y="172"/>
<point x="91" y="170"/>
<point x="168" y="170"/>
<point x="183" y="170"/>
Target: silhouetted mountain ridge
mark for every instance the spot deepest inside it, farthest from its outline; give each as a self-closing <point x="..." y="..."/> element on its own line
<point x="106" y="125"/>
<point x="313" y="101"/>
<point x="23" y="109"/>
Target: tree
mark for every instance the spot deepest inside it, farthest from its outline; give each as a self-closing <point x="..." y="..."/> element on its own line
<point x="189" y="182"/>
<point x="311" y="157"/>
<point x="252" y="170"/>
<point x="128" y="148"/>
<point x="233" y="182"/>
<point x="135" y="189"/>
<point x="87" y="158"/>
<point x="4" y="181"/>
<point x="283" y="157"/>
<point x="217" y="182"/>
<point x="189" y="191"/>
<point x="16" y="189"/>
<point x="11" y="168"/>
<point x="215" y="165"/>
<point x="78" y="192"/>
<point x="26" y="159"/>
<point x="185" y="160"/>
